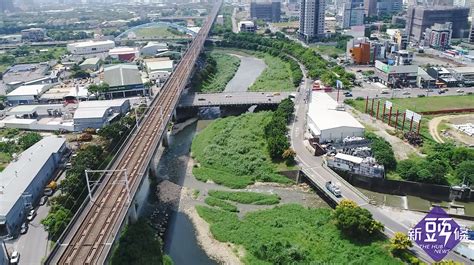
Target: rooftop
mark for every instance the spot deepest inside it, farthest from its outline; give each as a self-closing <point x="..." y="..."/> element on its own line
<point x="123" y="50"/>
<point x="90" y="43"/>
<point x="122" y="75"/>
<point x="463" y="70"/>
<point x="31" y="90"/>
<point x="322" y="110"/>
<point x="159" y="65"/>
<point x="350" y="158"/>
<point x="18" y="175"/>
<point x="96" y="108"/>
<point x="91" y="61"/>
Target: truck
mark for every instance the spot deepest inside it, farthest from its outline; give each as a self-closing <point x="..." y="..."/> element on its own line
<point x="333" y="188"/>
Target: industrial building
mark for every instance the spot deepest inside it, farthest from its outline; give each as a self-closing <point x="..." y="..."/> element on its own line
<point x="10" y="39"/>
<point x="464" y="75"/>
<point x="267" y="10"/>
<point x="419" y="18"/>
<point x="90" y="47"/>
<point x="91" y="64"/>
<point x="125" y="54"/>
<point x="152" y="48"/>
<point x="246" y="26"/>
<point x="328" y="121"/>
<point x="356" y="165"/>
<point x="33" y="34"/>
<point x="438" y="36"/>
<point x="353" y="13"/>
<point x="312" y="19"/>
<point x="125" y="80"/>
<point x="24" y="179"/>
<point x="396" y="75"/>
<point x="98" y="113"/>
<point x="27" y="94"/>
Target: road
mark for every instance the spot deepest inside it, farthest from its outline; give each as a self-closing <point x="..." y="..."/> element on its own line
<point x="313" y="165"/>
<point x="232" y="98"/>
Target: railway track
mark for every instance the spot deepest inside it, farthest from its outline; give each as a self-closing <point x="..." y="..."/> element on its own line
<point x="96" y="231"/>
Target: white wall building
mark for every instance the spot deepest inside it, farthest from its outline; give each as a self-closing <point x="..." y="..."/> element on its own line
<point x="90" y="47"/>
<point x="27" y="94"/>
<point x="98" y="113"/>
<point x="312" y="18"/>
<point x="152" y="48"/>
<point x="328" y="122"/>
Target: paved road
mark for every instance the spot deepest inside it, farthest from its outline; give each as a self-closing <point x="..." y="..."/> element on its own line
<point x="234" y="98"/>
<point x="314" y="167"/>
<point x="249" y="70"/>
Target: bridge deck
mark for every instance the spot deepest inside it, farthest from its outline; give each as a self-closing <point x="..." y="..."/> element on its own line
<point x="232" y="99"/>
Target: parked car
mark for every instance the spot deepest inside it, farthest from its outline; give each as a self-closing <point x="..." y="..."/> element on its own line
<point x="228" y="96"/>
<point x="31" y="215"/>
<point x="269" y="95"/>
<point x="406" y="93"/>
<point x="459" y="91"/>
<point x="441" y="91"/>
<point x="348" y="95"/>
<point x="201" y="99"/>
<point x="15" y="257"/>
<point x="276" y="93"/>
<point x="43" y="200"/>
<point x="48" y="192"/>
<point x="24" y="228"/>
<point x="421" y="95"/>
<point x="333" y="189"/>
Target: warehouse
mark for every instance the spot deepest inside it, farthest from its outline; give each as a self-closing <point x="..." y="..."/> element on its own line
<point x="91" y="64"/>
<point x="124" y="80"/>
<point x="158" y="64"/>
<point x="27" y="94"/>
<point x="96" y="114"/>
<point x="152" y="48"/>
<point x="90" y="47"/>
<point x="126" y="54"/>
<point x="24" y="179"/>
<point x="328" y="121"/>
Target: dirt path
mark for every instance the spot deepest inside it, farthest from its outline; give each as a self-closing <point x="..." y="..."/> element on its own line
<point x="433" y="125"/>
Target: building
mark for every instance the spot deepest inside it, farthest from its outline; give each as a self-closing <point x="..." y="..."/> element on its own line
<point x="24" y="180"/>
<point x="388" y="7"/>
<point x="361" y="54"/>
<point x="353" y="13"/>
<point x="91" y="64"/>
<point x="152" y="48"/>
<point x="27" y="94"/>
<point x="6" y="5"/>
<point x="461" y="3"/>
<point x="420" y="18"/>
<point x="267" y="10"/>
<point x="356" y="165"/>
<point x="330" y="24"/>
<point x="424" y="80"/>
<point x="400" y="37"/>
<point x="465" y="75"/>
<point x="98" y="113"/>
<point x="124" y="80"/>
<point x="246" y="26"/>
<point x="443" y="77"/>
<point x="402" y="57"/>
<point x="370" y="7"/>
<point x="311" y="19"/>
<point x="158" y="69"/>
<point x="90" y="47"/>
<point x="438" y="36"/>
<point x="326" y="121"/>
<point x="396" y="75"/>
<point x="10" y="39"/>
<point x="33" y="34"/>
<point x="125" y="54"/>
<point x="220" y="20"/>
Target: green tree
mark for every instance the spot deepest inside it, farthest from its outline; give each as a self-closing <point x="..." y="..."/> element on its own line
<point x="56" y="221"/>
<point x="355" y="221"/>
<point x="400" y="242"/>
<point x="277" y="145"/>
<point x="465" y="171"/>
<point x="29" y="139"/>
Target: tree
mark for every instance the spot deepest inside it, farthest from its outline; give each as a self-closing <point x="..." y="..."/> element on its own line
<point x="277" y="145"/>
<point x="289" y="155"/>
<point x="355" y="221"/>
<point x="400" y="242"/>
<point x="29" y="139"/>
<point x="465" y="172"/>
<point x="56" y="221"/>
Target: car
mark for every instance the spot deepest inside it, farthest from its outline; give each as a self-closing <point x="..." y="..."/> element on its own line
<point x="201" y="99"/>
<point x="269" y="95"/>
<point x="48" y="192"/>
<point x="429" y="90"/>
<point x="31" y="215"/>
<point x="15" y="257"/>
<point x="406" y="93"/>
<point x="228" y="96"/>
<point x="459" y="91"/>
<point x="421" y="95"/>
<point x="469" y="93"/>
<point x="385" y="92"/>
<point x="348" y="95"/>
<point x="276" y="93"/>
<point x="43" y="200"/>
<point x="24" y="228"/>
<point x="441" y="91"/>
<point x="359" y="70"/>
<point x="333" y="188"/>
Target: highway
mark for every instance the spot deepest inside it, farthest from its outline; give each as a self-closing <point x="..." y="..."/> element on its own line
<point x="232" y="98"/>
<point x="315" y="169"/>
<point x="90" y="238"/>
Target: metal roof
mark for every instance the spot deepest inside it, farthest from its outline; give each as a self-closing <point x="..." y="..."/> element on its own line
<point x="30" y="90"/>
<point x="322" y="110"/>
<point x="350" y="158"/>
<point x="91" y="61"/>
<point x="18" y="175"/>
<point x="122" y="75"/>
<point x="159" y="65"/>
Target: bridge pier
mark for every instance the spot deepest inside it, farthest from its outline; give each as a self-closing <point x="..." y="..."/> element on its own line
<point x="165" y="141"/>
<point x="183" y="114"/>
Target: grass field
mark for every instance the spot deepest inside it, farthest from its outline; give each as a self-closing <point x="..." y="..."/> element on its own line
<point x="227" y="66"/>
<point x="226" y="206"/>
<point x="424" y="103"/>
<point x="328" y="50"/>
<point x="246" y="197"/>
<point x="232" y="151"/>
<point x="292" y="234"/>
<point x="276" y="77"/>
<point x="158" y="32"/>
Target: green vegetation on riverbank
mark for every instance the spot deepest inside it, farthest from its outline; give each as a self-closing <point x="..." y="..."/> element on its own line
<point x="276" y="77"/>
<point x="219" y="70"/>
<point x="246" y="197"/>
<point x="292" y="234"/>
<point x="233" y="152"/>
<point x="226" y="206"/>
<point x="139" y="244"/>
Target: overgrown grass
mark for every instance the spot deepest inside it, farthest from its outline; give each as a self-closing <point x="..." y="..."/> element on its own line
<point x="158" y="32"/>
<point x="246" y="197"/>
<point x="226" y="206"/>
<point x="327" y="50"/>
<point x="292" y="234"/>
<point x="232" y="152"/>
<point x="276" y="77"/>
<point x="226" y="66"/>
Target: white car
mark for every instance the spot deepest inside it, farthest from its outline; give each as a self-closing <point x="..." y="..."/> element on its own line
<point x="406" y="93"/>
<point x="15" y="257"/>
<point x="31" y="215"/>
<point x="228" y="96"/>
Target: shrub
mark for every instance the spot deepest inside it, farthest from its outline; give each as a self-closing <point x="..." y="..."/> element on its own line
<point x="212" y="201"/>
<point x="246" y="197"/>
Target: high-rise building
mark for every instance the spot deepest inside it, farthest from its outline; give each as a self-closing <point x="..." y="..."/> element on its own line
<point x="389" y="6"/>
<point x="370" y="7"/>
<point x="420" y="18"/>
<point x="6" y="5"/>
<point x="267" y="10"/>
<point x="311" y="19"/>
<point x="438" y="36"/>
<point x="353" y="14"/>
